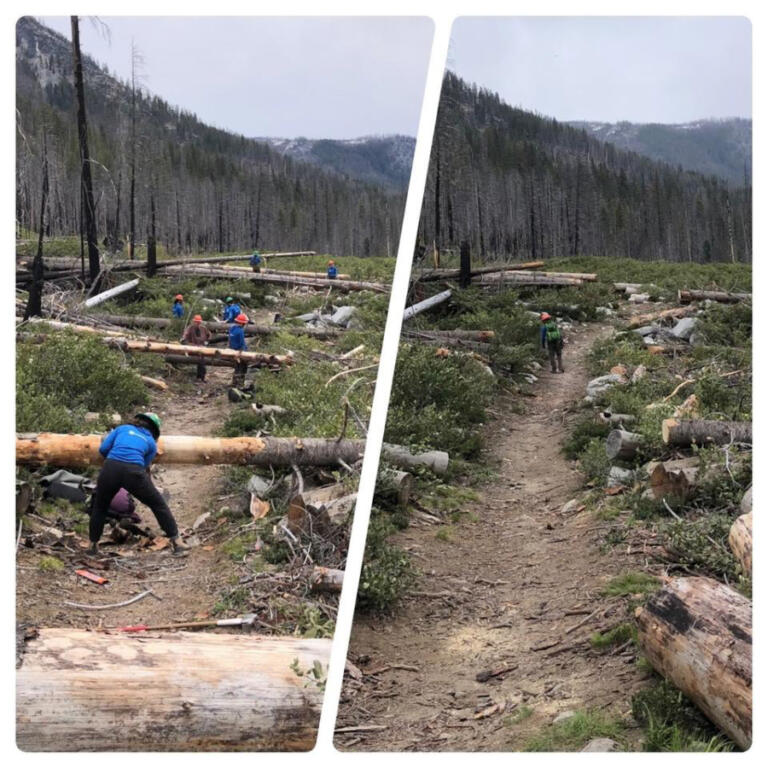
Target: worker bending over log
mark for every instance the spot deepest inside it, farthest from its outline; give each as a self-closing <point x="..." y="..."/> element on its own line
<point x="198" y="336"/>
<point x="128" y="452"/>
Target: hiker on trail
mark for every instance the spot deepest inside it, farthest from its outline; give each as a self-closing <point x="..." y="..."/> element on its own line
<point x="178" y="305"/>
<point x="232" y="310"/>
<point x="237" y="341"/>
<point x="128" y="452"/>
<point x="197" y="335"/>
<point x="332" y="271"/>
<point x="552" y="341"/>
<point x="256" y="261"/>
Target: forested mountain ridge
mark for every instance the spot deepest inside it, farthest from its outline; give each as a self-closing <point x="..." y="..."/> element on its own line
<point x="384" y="160"/>
<point x="719" y="147"/>
<point x="518" y="185"/>
<point x="212" y="189"/>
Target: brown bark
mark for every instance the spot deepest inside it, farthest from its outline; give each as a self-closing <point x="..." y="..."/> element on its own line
<point x="396" y="485"/>
<point x="698" y="634"/>
<point x="181" y="691"/>
<point x="673" y="479"/>
<point x="740" y="539"/>
<point x="686" y="297"/>
<point x="622" y="445"/>
<point x="685" y="433"/>
<point x="326" y="579"/>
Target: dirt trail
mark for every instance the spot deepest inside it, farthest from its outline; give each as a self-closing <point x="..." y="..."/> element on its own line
<point x="185" y="587"/>
<point x="509" y="589"/>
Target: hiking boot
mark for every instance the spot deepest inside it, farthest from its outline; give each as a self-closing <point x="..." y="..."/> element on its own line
<point x="562" y="370"/>
<point x="178" y="549"/>
<point x="93" y="549"/>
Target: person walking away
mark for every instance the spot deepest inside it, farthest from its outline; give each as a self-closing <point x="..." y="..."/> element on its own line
<point x="178" y="305"/>
<point x="332" y="271"/>
<point x="237" y="341"/>
<point x="197" y="335"/>
<point x="552" y="341"/>
<point x="232" y="310"/>
<point x="256" y="261"/>
<point x="128" y="452"/>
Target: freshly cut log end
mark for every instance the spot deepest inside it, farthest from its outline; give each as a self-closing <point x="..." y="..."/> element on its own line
<point x="682" y="433"/>
<point x="622" y="445"/>
<point x="697" y="633"/>
<point x="326" y="579"/>
<point x="674" y="479"/>
<point x="185" y="691"/>
<point x="395" y="485"/>
<point x="740" y="539"/>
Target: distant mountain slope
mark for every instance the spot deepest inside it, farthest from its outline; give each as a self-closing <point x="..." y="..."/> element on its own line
<point x="719" y="147"/>
<point x="212" y="189"/>
<point x="518" y="185"/>
<point x="384" y="160"/>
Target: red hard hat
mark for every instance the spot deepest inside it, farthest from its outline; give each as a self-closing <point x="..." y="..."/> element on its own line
<point x="197" y="319"/>
<point x="178" y="297"/>
<point x="546" y="316"/>
<point x="241" y="319"/>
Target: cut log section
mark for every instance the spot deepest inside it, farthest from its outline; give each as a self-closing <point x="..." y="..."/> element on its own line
<point x="333" y="503"/>
<point x="615" y="419"/>
<point x="622" y="445"/>
<point x="725" y="297"/>
<point x="423" y="306"/>
<point x="183" y="691"/>
<point x="685" y="433"/>
<point x="393" y="484"/>
<point x="154" y="383"/>
<point x="326" y="579"/>
<point x="653" y="318"/>
<point x="118" y="290"/>
<point x="437" y="461"/>
<point x="740" y="539"/>
<point x="698" y="634"/>
<point x="673" y="479"/>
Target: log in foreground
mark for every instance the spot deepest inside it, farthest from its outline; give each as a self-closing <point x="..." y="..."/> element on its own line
<point x="83" y="450"/>
<point x="193" y="360"/>
<point x="724" y="297"/>
<point x="698" y="634"/>
<point x="622" y="445"/>
<point x="685" y="433"/>
<point x="183" y="691"/>
<point x="740" y="539"/>
<point x="423" y="306"/>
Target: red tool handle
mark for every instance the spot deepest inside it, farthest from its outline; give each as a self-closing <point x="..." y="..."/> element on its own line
<point x="134" y="628"/>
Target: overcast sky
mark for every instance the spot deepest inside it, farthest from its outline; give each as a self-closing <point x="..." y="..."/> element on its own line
<point x="316" y="77"/>
<point x="653" y="69"/>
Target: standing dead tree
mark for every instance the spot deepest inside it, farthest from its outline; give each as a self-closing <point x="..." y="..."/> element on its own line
<point x="35" y="303"/>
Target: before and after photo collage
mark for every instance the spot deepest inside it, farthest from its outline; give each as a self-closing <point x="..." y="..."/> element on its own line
<point x="308" y="325"/>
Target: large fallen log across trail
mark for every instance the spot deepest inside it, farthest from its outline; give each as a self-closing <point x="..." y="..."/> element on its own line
<point x="622" y="445"/>
<point x="740" y="539"/>
<point x="174" y="692"/>
<point x="100" y="298"/>
<point x="59" y="325"/>
<point x="460" y="333"/>
<point x="652" y="318"/>
<point x="482" y="347"/>
<point x="239" y="271"/>
<point x="724" y="297"/>
<point x="524" y="279"/>
<point x="260" y="277"/>
<point x="194" y="360"/>
<point x="698" y="634"/>
<point x="685" y="433"/>
<point x="251" y="329"/>
<point x="423" y="306"/>
<point x="448" y="274"/>
<point x="56" y="274"/>
<point x="67" y="450"/>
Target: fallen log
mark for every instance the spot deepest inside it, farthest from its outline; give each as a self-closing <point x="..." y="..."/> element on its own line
<point x="393" y="484"/>
<point x="652" y="318"/>
<point x="56" y="274"/>
<point x="685" y="433"/>
<point x="437" y="461"/>
<point x="698" y="634"/>
<point x="238" y="271"/>
<point x="526" y="279"/>
<point x="326" y="579"/>
<point x="59" y="325"/>
<point x="724" y="297"/>
<point x="154" y="383"/>
<point x="260" y="277"/>
<point x="615" y="419"/>
<point x="334" y="503"/>
<point x="423" y="306"/>
<point x="460" y="333"/>
<point x="251" y="329"/>
<point x="673" y="479"/>
<point x="448" y="274"/>
<point x="622" y="445"/>
<point x="740" y="539"/>
<point x="481" y="347"/>
<point x="182" y="691"/>
<point x="100" y="298"/>
<point x="194" y="360"/>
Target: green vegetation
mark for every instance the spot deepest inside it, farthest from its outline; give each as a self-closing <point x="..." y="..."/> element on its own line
<point x="631" y="583"/>
<point x="616" y="636"/>
<point x="49" y="563"/>
<point x="521" y="713"/>
<point x="572" y="734"/>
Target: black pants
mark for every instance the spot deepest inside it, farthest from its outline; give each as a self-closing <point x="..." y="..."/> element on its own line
<point x="238" y="377"/>
<point x="201" y="371"/>
<point x="555" y="352"/>
<point x="115" y="475"/>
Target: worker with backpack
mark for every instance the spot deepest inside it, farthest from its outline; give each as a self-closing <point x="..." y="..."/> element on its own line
<point x="552" y="341"/>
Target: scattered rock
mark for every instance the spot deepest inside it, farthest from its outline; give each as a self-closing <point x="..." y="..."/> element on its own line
<point x="605" y="311"/>
<point x="200" y="520"/>
<point x="602" y="384"/>
<point x="563" y="716"/>
<point x="601" y="745"/>
<point x="638" y="373"/>
<point x="619" y="476"/>
<point x="684" y="328"/>
<point x="569" y="506"/>
<point x="343" y="315"/>
<point x="258" y="486"/>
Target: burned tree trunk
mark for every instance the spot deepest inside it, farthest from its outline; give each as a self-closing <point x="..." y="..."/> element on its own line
<point x="183" y="691"/>
<point x="685" y="433"/>
<point x="697" y="633"/>
<point x="465" y="274"/>
<point x="35" y="303"/>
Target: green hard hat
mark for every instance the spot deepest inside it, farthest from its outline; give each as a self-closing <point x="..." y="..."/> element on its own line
<point x="153" y="419"/>
<point x="228" y="299"/>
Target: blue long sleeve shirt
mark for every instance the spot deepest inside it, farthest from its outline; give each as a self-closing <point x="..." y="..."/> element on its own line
<point x="178" y="309"/>
<point x="231" y="311"/>
<point x="237" y="338"/>
<point x="543" y="335"/>
<point x="332" y="272"/>
<point x="131" y="444"/>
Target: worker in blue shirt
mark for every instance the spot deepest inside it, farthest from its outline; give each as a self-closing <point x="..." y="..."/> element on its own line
<point x="178" y="305"/>
<point x="237" y="333"/>
<point x="128" y="451"/>
<point x="332" y="271"/>
<point x="232" y="310"/>
<point x="256" y="261"/>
